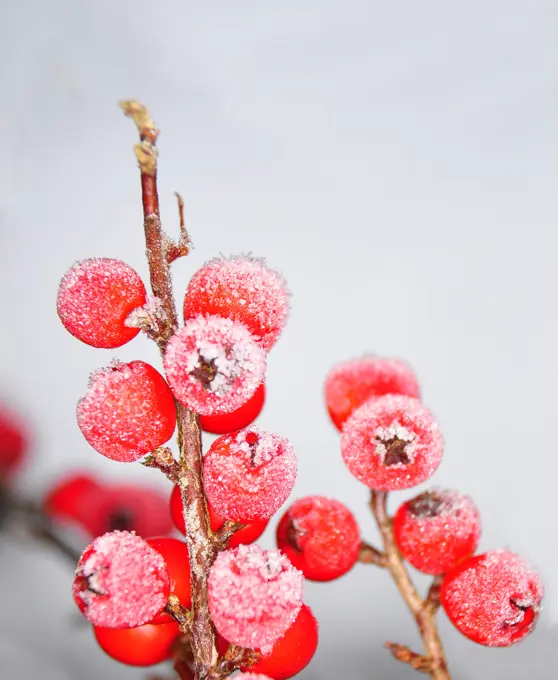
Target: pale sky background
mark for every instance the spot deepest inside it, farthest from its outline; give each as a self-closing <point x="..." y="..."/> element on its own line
<point x="397" y="161"/>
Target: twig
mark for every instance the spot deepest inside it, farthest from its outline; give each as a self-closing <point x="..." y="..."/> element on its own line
<point x="162" y="459"/>
<point x="179" y="613"/>
<point x="370" y="555"/>
<point x="182" y="247"/>
<point x="228" y="530"/>
<point x="405" y="655"/>
<point x="423" y="611"/>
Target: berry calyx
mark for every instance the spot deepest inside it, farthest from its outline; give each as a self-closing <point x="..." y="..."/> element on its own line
<point x="392" y="443"/>
<point x="293" y="651"/>
<point x="214" y="365"/>
<point x="243" y="289"/>
<point x="248" y="534"/>
<point x="13" y="442"/>
<point x="351" y="383"/>
<point x="175" y="554"/>
<point x="320" y="536"/>
<point x="121" y="581"/>
<point x="145" y="645"/>
<point x="255" y="595"/>
<point x="236" y="420"/>
<point x="127" y="411"/>
<point x="248" y="475"/>
<point x="494" y="599"/>
<point x="95" y="298"/>
<point x="437" y="529"/>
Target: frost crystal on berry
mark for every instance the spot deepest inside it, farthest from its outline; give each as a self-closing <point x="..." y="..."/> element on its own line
<point x="391" y="443"/>
<point x="252" y="676"/>
<point x="120" y="581"/>
<point x="243" y="289"/>
<point x="214" y="365"/>
<point x="255" y="595"/>
<point x="248" y="475"/>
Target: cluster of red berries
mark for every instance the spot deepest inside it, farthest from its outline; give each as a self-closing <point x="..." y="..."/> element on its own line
<point x="14" y="443"/>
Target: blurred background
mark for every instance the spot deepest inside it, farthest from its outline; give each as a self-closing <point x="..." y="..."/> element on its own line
<point x="396" y="161"/>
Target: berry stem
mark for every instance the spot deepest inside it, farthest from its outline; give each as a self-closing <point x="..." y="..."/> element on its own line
<point x="424" y="611"/>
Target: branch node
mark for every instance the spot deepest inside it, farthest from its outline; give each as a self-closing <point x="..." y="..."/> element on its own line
<point x="368" y="554"/>
<point x="418" y="662"/>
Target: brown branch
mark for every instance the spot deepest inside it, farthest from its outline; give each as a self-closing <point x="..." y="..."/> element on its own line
<point x="423" y="611"/>
<point x="405" y="655"/>
<point x="368" y="554"/>
<point x="225" y="533"/>
<point x="162" y="459"/>
<point x="182" y="247"/>
<point x="201" y="547"/>
<point x="179" y="613"/>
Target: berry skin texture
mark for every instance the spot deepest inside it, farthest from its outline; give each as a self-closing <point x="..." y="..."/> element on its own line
<point x="350" y="384"/>
<point x="121" y="581"/>
<point x="128" y="411"/>
<point x="175" y="554"/>
<point x="145" y="645"/>
<point x="437" y="529"/>
<point x="252" y="676"/>
<point x="248" y="475"/>
<point x="494" y="599"/>
<point x="236" y="420"/>
<point x="292" y="652"/>
<point x="248" y="534"/>
<point x="243" y="289"/>
<point x="13" y="442"/>
<point x="95" y="298"/>
<point x="392" y="443"/>
<point x="255" y="595"/>
<point x="214" y="365"/>
<point x="320" y="536"/>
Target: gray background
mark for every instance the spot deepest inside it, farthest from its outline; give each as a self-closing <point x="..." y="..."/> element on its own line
<point x="397" y="161"/>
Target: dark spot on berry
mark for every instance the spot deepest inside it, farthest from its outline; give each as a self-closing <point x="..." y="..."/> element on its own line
<point x="427" y="504"/>
<point x="205" y="372"/>
<point x="86" y="583"/>
<point x="252" y="439"/>
<point x="120" y="520"/>
<point x="395" y="451"/>
<point x="294" y="532"/>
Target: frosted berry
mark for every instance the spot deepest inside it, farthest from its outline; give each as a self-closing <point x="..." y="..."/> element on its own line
<point x="145" y="645"/>
<point x="437" y="529"/>
<point x="248" y="475"/>
<point x="252" y="676"/>
<point x="320" y="536"/>
<point x="293" y="651"/>
<point x="13" y="441"/>
<point x="248" y="534"/>
<point x="95" y="298"/>
<point x="236" y="420"/>
<point x="254" y="595"/>
<point x="392" y="443"/>
<point x="351" y="383"/>
<point x="127" y="411"/>
<point x="214" y="365"/>
<point x="69" y="500"/>
<point x="175" y="554"/>
<point x="121" y="581"/>
<point x="243" y="289"/>
<point x="494" y="599"/>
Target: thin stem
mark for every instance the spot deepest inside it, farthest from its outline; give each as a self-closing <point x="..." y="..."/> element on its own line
<point x="424" y="611"/>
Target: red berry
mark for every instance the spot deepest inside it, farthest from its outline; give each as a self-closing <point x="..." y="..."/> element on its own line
<point x="214" y="365"/>
<point x="351" y="383"/>
<point x="292" y="652"/>
<point x="254" y="595"/>
<point x="252" y="676"/>
<point x="145" y="645"/>
<point x="95" y="298"/>
<point x="243" y="289"/>
<point x="248" y="534"/>
<point x="121" y="581"/>
<point x="13" y="441"/>
<point x="175" y="554"/>
<point x="493" y="599"/>
<point x="392" y="443"/>
<point x="237" y="420"/>
<point x="248" y="475"/>
<point x="437" y="529"/>
<point x="70" y="498"/>
<point x="127" y="412"/>
<point x="320" y="536"/>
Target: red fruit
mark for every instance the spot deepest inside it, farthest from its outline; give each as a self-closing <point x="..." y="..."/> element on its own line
<point x="71" y="497"/>
<point x="437" y="529"/>
<point x="248" y="475"/>
<point x="320" y="536"/>
<point x="392" y="443"/>
<point x="248" y="534"/>
<point x="493" y="599"/>
<point x="95" y="298"/>
<point x="252" y="676"/>
<point x="237" y="420"/>
<point x="175" y="554"/>
<point x="121" y="581"/>
<point x="13" y="441"/>
<point x="254" y="595"/>
<point x="292" y="652"/>
<point x="351" y="383"/>
<point x="214" y="365"/>
<point x="127" y="411"/>
<point x="243" y="289"/>
<point x="145" y="645"/>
